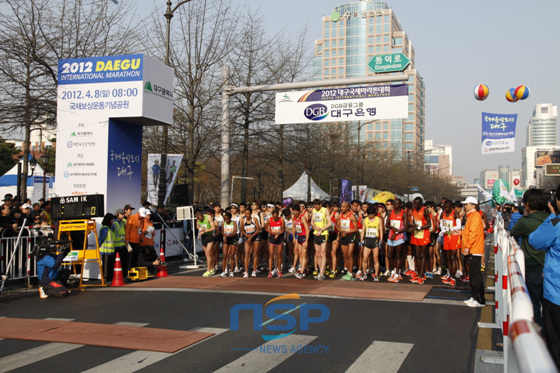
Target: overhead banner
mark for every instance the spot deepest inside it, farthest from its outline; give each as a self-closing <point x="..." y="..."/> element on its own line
<point x="343" y="104"/>
<point x="498" y="133"/>
<point x="154" y="167"/>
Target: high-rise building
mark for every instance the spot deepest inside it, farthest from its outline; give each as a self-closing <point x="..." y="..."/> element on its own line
<point x="542" y="128"/>
<point x="355" y="33"/>
<point x="438" y="159"/>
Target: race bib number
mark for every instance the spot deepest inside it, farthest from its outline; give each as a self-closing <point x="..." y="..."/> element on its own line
<point x="345" y="224"/>
<point x="317" y="217"/>
<point x="298" y="229"/>
<point x="447" y="224"/>
<point x="250" y="229"/>
<point x="371" y="233"/>
<point x="228" y="229"/>
<point x="396" y="224"/>
<point x="275" y="229"/>
<point x="418" y="234"/>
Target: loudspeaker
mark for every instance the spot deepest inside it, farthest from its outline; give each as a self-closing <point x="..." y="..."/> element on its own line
<point x="78" y="207"/>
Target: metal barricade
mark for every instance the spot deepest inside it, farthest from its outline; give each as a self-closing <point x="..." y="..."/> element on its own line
<point x="23" y="264"/>
<point x="524" y="348"/>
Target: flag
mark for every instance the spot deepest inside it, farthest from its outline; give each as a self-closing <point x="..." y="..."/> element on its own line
<point x="487" y="196"/>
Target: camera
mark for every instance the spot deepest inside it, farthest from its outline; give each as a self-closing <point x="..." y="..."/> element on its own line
<point x="50" y="246"/>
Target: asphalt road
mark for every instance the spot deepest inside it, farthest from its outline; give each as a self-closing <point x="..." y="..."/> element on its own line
<point x="359" y="335"/>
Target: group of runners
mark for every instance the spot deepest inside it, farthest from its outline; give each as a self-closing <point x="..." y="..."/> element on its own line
<point x="351" y="239"/>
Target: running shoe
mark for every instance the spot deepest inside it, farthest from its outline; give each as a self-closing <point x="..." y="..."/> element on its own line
<point x="315" y="272"/>
<point x="332" y="275"/>
<point x="429" y="275"/>
<point x="400" y="277"/>
<point x="409" y="273"/>
<point x="42" y="294"/>
<point x="292" y="270"/>
<point x="320" y="277"/>
<point x="452" y="282"/>
<point x="391" y="278"/>
<point x="458" y="274"/>
<point x="236" y="270"/>
<point x="299" y="275"/>
<point x="375" y="278"/>
<point x="274" y="271"/>
<point x="465" y="279"/>
<point x="347" y="276"/>
<point x="447" y="280"/>
<point x="279" y="274"/>
<point x="207" y="274"/>
<point x="444" y="278"/>
<point x="475" y="303"/>
<point x="254" y="274"/>
<point x="387" y="273"/>
<point x="245" y="274"/>
<point x="363" y="278"/>
<point x="420" y="281"/>
<point x="438" y="272"/>
<point x="358" y="274"/>
<point x="213" y="272"/>
<point x="224" y="274"/>
<point x="414" y="280"/>
<point x="471" y="299"/>
<point x="483" y="268"/>
<point x="269" y="274"/>
<point x="327" y="271"/>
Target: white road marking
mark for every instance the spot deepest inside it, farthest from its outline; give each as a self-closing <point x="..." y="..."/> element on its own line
<point x="386" y="357"/>
<point x="34" y="355"/>
<point x="255" y="361"/>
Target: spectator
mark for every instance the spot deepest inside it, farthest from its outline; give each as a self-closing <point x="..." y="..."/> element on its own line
<point x="547" y="238"/>
<point x="535" y="202"/>
<point x="515" y="216"/>
<point x="7" y="222"/>
<point x="133" y="231"/>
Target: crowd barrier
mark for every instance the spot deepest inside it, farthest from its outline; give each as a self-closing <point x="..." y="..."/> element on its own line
<point x="23" y="264"/>
<point x="524" y="348"/>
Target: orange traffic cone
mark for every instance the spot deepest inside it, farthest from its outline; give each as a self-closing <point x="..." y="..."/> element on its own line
<point x="118" y="279"/>
<point x="162" y="267"/>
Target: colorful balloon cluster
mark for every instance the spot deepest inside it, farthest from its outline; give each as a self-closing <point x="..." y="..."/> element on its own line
<point x="481" y="92"/>
<point x="519" y="93"/>
<point x="287" y="201"/>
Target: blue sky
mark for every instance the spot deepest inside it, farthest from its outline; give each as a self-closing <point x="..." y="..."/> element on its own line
<point x="459" y="44"/>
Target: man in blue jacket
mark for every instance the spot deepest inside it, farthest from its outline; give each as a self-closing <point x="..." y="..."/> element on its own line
<point x="547" y="237"/>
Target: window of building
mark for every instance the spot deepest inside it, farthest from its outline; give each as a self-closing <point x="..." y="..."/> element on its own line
<point x="334" y="43"/>
<point x="334" y="53"/>
<point x="370" y="40"/>
<point x="411" y="106"/>
<point x="327" y="34"/>
<point x="378" y="126"/>
<point x="333" y="71"/>
<point x="385" y="19"/>
<point x="340" y="71"/>
<point x="385" y="145"/>
<point x="327" y="62"/>
<point x="410" y="118"/>
<point x="378" y="135"/>
<point x="378" y="49"/>
<point x="370" y="126"/>
<point x="386" y="27"/>
<point x="408" y="146"/>
<point x="385" y="126"/>
<point x="378" y="39"/>
<point x="327" y="44"/>
<point x="370" y="50"/>
<point x="409" y="127"/>
<point x="341" y="61"/>
<point x="370" y="136"/>
<point x="385" y="48"/>
<point x="327" y="54"/>
<point x="385" y="135"/>
<point x="378" y="28"/>
<point x="397" y="50"/>
<point x="397" y="41"/>
<point x="326" y="72"/>
<point x="385" y="38"/>
<point x="409" y="136"/>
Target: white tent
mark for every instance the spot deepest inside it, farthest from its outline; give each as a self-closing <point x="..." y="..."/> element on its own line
<point x="298" y="191"/>
<point x="8" y="183"/>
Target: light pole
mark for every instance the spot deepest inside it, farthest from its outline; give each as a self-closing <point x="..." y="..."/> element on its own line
<point x="44" y="163"/>
<point x="162" y="191"/>
<point x="32" y="165"/>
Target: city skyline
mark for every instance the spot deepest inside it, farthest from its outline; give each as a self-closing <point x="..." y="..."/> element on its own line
<point x="459" y="45"/>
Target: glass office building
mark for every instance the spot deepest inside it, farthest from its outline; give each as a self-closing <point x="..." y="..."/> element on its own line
<point x="355" y="33"/>
<point x="542" y="129"/>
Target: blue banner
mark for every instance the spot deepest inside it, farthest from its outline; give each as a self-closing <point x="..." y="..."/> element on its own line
<point x="101" y="69"/>
<point x="498" y="133"/>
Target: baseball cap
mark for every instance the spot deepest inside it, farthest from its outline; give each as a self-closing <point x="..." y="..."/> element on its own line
<point x="25" y="206"/>
<point x="142" y="212"/>
<point x="472" y="200"/>
<point x="126" y="207"/>
<point x="119" y="211"/>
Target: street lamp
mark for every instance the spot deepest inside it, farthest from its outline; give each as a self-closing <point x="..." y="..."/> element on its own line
<point x="163" y="170"/>
<point x="44" y="163"/>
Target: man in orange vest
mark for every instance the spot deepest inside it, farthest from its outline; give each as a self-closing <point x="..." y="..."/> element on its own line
<point x="133" y="231"/>
<point x="473" y="250"/>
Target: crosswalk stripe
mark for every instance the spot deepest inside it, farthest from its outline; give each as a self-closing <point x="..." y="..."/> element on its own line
<point x="34" y="355"/>
<point x="127" y="323"/>
<point x="255" y="361"/>
<point x="137" y="360"/>
<point x="386" y="357"/>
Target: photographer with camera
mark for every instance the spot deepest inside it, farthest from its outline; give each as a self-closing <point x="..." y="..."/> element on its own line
<point x="50" y="255"/>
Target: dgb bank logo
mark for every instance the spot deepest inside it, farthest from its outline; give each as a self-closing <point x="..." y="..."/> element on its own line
<point x="309" y="314"/>
<point x="316" y="112"/>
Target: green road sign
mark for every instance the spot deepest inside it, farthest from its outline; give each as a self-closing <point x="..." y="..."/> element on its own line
<point x="388" y="63"/>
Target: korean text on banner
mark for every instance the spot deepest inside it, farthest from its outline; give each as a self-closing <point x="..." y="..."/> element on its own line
<point x="343" y="104"/>
<point x="498" y="133"/>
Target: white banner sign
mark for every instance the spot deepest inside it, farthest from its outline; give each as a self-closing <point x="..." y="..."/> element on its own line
<point x="154" y="166"/>
<point x="343" y="104"/>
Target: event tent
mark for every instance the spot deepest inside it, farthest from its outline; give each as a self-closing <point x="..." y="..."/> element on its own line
<point x="298" y="191"/>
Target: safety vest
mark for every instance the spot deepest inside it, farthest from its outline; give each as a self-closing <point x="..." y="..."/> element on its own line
<point x="108" y="246"/>
<point x="120" y="233"/>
